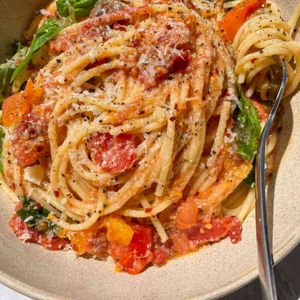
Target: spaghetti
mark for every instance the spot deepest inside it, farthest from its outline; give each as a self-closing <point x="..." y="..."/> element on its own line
<point x="125" y="140"/>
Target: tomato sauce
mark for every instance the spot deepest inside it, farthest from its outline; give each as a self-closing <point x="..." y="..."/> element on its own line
<point x="29" y="235"/>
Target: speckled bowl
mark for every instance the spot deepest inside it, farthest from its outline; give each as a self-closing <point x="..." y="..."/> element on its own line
<point x="210" y="273"/>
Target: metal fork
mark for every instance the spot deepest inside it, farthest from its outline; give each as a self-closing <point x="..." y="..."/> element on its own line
<point x="265" y="258"/>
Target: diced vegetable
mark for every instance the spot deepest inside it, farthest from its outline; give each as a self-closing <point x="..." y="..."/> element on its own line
<point x="247" y="127"/>
<point x="76" y="8"/>
<point x="19" y="104"/>
<point x="118" y="231"/>
<point x="114" y="154"/>
<point x="236" y="17"/>
<point x="45" y="33"/>
<point x="138" y="254"/>
<point x="91" y="241"/>
<point x="187" y="215"/>
<point x="14" y="107"/>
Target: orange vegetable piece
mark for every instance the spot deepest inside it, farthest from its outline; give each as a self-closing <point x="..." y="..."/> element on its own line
<point x="79" y="240"/>
<point x="118" y="231"/>
<point x="14" y="107"/>
<point x="19" y="104"/>
<point x="187" y="215"/>
<point x="236" y="17"/>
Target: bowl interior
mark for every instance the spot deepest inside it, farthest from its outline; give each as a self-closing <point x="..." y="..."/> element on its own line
<point x="211" y="272"/>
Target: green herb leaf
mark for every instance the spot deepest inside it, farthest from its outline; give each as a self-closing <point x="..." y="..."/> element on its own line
<point x="6" y="71"/>
<point x="247" y="127"/>
<point x="75" y="8"/>
<point x="63" y="8"/>
<point x="83" y="7"/>
<point x="34" y="215"/>
<point x="45" y="33"/>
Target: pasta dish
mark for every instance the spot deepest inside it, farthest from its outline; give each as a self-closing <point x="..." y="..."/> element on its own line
<point x="130" y="128"/>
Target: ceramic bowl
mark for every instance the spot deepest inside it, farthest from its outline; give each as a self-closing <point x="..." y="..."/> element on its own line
<point x="211" y="272"/>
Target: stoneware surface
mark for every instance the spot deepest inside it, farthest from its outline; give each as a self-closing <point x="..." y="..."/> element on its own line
<point x="209" y="273"/>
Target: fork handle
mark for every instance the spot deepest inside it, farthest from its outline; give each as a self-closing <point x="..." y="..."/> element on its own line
<point x="265" y="259"/>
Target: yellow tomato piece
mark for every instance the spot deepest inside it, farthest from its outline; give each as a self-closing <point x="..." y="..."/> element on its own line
<point x="118" y="231"/>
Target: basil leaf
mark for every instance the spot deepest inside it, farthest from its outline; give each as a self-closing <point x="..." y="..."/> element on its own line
<point x="247" y="127"/>
<point x="45" y="33"/>
<point x="6" y="71"/>
<point x="63" y="8"/>
<point x="82" y="8"/>
<point x="34" y="216"/>
<point x="75" y="8"/>
<point x="2" y="134"/>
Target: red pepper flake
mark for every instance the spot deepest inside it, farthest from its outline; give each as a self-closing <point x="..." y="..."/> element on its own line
<point x="56" y="194"/>
<point x="148" y="209"/>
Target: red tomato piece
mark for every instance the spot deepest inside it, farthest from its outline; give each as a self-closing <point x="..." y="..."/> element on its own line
<point x="28" y="235"/>
<point x="180" y="62"/>
<point x="30" y="138"/>
<point x="134" y="258"/>
<point x="215" y="230"/>
<point x="114" y="154"/>
<point x="162" y="252"/>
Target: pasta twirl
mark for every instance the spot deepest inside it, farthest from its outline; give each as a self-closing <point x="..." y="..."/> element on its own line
<point x="133" y="136"/>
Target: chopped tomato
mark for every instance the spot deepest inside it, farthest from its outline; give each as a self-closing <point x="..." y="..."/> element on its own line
<point x="262" y="113"/>
<point x="114" y="154"/>
<point x="187" y="215"/>
<point x="237" y="16"/>
<point x="30" y="138"/>
<point x="162" y="251"/>
<point x="180" y="62"/>
<point x="215" y="230"/>
<point x="29" y="235"/>
<point x="168" y="41"/>
<point x="208" y="230"/>
<point x="161" y="255"/>
<point x="138" y="254"/>
<point x="91" y="241"/>
<point x="94" y="27"/>
<point x="19" y="104"/>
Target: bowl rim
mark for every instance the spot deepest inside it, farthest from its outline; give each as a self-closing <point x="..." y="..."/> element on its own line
<point x="280" y="253"/>
<point x="287" y="246"/>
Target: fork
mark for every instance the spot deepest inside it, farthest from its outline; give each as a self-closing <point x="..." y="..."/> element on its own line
<point x="265" y="258"/>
